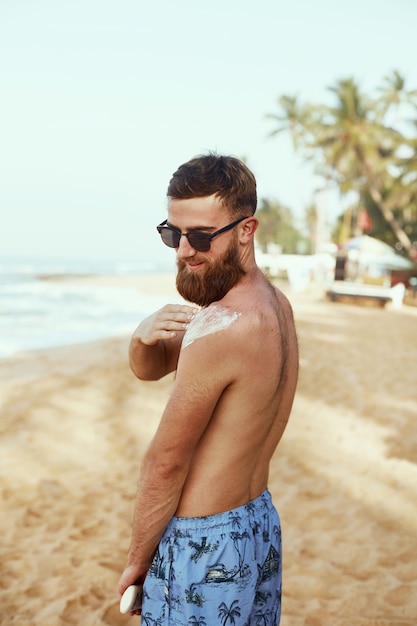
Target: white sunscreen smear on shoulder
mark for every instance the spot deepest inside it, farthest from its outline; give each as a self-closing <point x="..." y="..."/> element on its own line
<point x="208" y="321"/>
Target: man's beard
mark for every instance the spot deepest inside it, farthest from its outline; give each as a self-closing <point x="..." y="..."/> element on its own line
<point x="210" y="285"/>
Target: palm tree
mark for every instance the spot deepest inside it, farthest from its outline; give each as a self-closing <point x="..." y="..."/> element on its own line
<point x="200" y="549"/>
<point x="236" y="520"/>
<point x="276" y="226"/>
<point x="147" y="619"/>
<point x="294" y="118"/>
<point x="394" y="93"/>
<point x="354" y="147"/>
<point x="229" y="613"/>
<point x="403" y="186"/>
<point x="193" y="621"/>
<point x="192" y="597"/>
<point x="263" y="618"/>
<point x="358" y="148"/>
<point x="291" y="117"/>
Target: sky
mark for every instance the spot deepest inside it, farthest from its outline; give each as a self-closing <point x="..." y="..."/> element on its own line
<point x="102" y="100"/>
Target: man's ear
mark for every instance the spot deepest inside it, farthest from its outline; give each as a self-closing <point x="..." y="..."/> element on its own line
<point x="249" y="227"/>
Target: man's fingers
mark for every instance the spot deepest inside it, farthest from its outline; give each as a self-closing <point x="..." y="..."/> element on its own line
<point x="182" y="311"/>
<point x="170" y="316"/>
<point x="165" y="323"/>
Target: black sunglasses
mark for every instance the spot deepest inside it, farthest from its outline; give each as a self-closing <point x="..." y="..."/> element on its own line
<point x="197" y="240"/>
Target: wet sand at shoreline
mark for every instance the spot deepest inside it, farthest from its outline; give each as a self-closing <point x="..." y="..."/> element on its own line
<point x="75" y="423"/>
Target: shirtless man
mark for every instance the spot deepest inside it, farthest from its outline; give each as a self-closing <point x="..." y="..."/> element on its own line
<point x="206" y="538"/>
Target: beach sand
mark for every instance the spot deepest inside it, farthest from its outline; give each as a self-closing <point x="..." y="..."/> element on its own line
<point x="74" y="426"/>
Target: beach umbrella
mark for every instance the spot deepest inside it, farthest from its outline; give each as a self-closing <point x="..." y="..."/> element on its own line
<point x="392" y="262"/>
<point x="372" y="251"/>
<point x="370" y="245"/>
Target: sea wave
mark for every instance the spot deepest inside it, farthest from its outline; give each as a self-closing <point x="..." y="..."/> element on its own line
<point x="37" y="313"/>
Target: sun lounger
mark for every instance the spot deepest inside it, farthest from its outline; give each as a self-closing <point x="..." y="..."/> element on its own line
<point x="349" y="291"/>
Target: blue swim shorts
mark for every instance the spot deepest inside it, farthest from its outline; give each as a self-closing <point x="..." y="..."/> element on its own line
<point x="219" y="569"/>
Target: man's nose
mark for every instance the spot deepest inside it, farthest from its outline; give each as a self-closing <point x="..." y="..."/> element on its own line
<point x="184" y="249"/>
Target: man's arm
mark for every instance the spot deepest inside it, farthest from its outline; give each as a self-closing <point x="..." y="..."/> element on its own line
<point x="155" y="344"/>
<point x="195" y="394"/>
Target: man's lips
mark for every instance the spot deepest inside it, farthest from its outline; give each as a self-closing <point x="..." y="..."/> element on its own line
<point x="195" y="266"/>
<point x="191" y="264"/>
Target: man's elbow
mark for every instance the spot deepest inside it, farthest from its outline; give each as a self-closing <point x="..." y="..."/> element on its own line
<point x="143" y="374"/>
<point x="166" y="468"/>
<point x="145" y="363"/>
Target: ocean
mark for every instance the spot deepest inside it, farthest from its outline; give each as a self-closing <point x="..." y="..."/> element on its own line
<point x="37" y="313"/>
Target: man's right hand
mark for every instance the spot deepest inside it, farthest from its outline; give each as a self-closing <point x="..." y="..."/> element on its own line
<point x="165" y="323"/>
<point x="156" y="343"/>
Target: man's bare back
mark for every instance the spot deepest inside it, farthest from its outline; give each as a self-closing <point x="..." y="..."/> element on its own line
<point x="231" y="461"/>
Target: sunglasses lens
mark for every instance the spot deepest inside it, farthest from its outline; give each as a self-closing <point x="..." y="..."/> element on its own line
<point x="170" y="237"/>
<point x="199" y="242"/>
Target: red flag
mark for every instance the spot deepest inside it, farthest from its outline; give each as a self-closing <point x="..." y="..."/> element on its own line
<point x="364" y="221"/>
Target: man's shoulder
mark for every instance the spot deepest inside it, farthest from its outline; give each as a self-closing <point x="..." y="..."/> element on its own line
<point x="209" y="321"/>
<point x="254" y="301"/>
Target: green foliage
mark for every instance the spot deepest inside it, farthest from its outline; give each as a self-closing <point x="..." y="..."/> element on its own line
<point x="365" y="144"/>
<point x="276" y="226"/>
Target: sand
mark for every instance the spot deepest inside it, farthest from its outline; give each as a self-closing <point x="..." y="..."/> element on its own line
<point x="75" y="423"/>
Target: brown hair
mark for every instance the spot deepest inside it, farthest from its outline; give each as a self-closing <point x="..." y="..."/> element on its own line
<point x="224" y="176"/>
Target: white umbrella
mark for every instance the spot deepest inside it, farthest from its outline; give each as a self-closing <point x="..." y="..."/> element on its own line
<point x="374" y="252"/>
